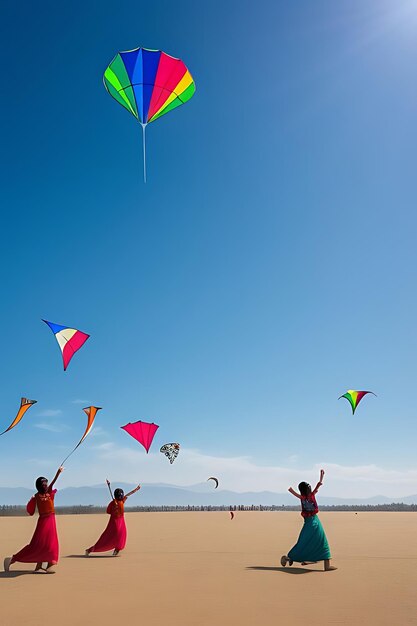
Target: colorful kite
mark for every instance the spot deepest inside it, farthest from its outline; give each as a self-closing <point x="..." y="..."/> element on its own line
<point x="354" y="397"/>
<point x="215" y="480"/>
<point x="171" y="451"/>
<point x="25" y="404"/>
<point x="142" y="432"/>
<point x="148" y="83"/>
<point x="69" y="340"/>
<point x="91" y="412"/>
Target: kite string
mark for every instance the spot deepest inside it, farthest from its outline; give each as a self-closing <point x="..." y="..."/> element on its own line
<point x="144" y="150"/>
<point x="72" y="451"/>
<point x="67" y="457"/>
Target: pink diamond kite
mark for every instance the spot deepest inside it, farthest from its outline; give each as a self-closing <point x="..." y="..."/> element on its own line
<point x="142" y="432"/>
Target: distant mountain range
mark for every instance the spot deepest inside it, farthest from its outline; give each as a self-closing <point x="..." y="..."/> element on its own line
<point x="157" y="494"/>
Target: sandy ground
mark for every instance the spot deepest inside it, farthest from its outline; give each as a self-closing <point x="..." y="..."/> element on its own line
<point x="204" y="569"/>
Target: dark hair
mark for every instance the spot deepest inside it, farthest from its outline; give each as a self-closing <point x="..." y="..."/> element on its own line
<point x="39" y="481"/>
<point x="305" y="489"/>
<point x="119" y="494"/>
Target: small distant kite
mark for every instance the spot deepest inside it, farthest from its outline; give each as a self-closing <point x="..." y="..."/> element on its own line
<point x="25" y="404"/>
<point x="171" y="451"/>
<point x="70" y="340"/>
<point x="231" y="515"/>
<point x="148" y="83"/>
<point x="144" y="432"/>
<point x="354" y="397"/>
<point x="91" y="412"/>
<point x="215" y="480"/>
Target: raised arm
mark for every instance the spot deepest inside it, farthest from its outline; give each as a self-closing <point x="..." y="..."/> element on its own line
<point x="319" y="484"/>
<point x="109" y="486"/>
<point x="132" y="492"/>
<point x="60" y="469"/>
<point x="294" y="493"/>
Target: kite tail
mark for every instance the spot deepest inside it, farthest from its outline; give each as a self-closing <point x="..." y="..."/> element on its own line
<point x="144" y="150"/>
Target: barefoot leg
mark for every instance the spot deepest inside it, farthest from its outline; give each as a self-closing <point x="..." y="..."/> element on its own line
<point x="7" y="562"/>
<point x="49" y="568"/>
<point x="327" y="566"/>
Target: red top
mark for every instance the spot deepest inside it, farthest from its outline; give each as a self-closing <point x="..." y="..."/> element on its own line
<point x="44" y="502"/>
<point x="116" y="508"/>
<point x="309" y="506"/>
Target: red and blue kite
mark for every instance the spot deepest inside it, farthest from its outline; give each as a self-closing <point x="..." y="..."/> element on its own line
<point x="70" y="340"/>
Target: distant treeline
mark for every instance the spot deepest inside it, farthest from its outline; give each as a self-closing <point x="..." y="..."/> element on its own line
<point x="17" y="510"/>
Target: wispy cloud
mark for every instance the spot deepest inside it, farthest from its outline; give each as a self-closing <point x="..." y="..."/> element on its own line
<point x="49" y="413"/>
<point x="52" y="427"/>
<point x="104" y="446"/>
<point x="77" y="401"/>
<point x="97" y="431"/>
<point x="242" y="473"/>
<point x="35" y="462"/>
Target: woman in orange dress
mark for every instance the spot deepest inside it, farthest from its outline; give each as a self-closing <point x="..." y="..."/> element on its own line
<point x="115" y="534"/>
<point x="44" y="545"/>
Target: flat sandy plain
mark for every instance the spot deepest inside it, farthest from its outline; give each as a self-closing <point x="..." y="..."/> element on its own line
<point x="203" y="569"/>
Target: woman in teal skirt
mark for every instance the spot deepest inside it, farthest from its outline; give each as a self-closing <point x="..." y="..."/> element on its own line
<point x="312" y="545"/>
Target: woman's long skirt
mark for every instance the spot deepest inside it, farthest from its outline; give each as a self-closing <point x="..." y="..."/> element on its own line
<point x="44" y="545"/>
<point x="312" y="543"/>
<point x="113" y="538"/>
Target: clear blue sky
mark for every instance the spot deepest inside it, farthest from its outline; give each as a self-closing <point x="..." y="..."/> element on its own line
<point x="268" y="265"/>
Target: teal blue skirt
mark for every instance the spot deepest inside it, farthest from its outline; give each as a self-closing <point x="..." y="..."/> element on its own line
<point x="312" y="543"/>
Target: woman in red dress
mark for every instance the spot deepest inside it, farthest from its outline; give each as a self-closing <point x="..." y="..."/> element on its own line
<point x="115" y="534"/>
<point x="44" y="546"/>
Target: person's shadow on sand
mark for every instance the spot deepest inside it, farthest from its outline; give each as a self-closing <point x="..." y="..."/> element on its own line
<point x="91" y="556"/>
<point x="285" y="570"/>
<point x="22" y="572"/>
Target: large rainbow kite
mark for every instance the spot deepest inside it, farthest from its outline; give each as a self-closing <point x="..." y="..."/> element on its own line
<point x="354" y="397"/>
<point x="148" y="83"/>
<point x="69" y="340"/>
